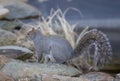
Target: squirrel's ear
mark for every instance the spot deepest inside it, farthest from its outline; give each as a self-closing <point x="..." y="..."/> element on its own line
<point x="33" y="29"/>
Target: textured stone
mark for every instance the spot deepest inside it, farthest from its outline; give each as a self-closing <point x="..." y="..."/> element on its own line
<point x="3" y="60"/>
<point x="3" y="12"/>
<point x="7" y="38"/>
<point x="16" y="52"/>
<point x="21" y="11"/>
<point x="9" y="25"/>
<point x="18" y="69"/>
<point x="5" y="77"/>
<point x="5" y="2"/>
<point x="97" y="76"/>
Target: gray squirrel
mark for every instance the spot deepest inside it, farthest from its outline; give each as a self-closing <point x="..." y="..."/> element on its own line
<point x="53" y="48"/>
<point x="57" y="49"/>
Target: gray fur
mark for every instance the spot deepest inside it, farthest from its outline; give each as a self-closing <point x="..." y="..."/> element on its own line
<point x="59" y="48"/>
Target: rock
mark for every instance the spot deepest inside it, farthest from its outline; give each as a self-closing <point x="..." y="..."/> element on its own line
<point x="21" y="33"/>
<point x="36" y="78"/>
<point x="12" y="26"/>
<point x="5" y="78"/>
<point x="19" y="10"/>
<point x="18" y="69"/>
<point x="50" y="77"/>
<point x="3" y="12"/>
<point x="16" y="52"/>
<point x="92" y="76"/>
<point x="117" y="77"/>
<point x="97" y="76"/>
<point x="7" y="38"/>
<point x="3" y="60"/>
<point x="9" y="25"/>
<point x="5" y="2"/>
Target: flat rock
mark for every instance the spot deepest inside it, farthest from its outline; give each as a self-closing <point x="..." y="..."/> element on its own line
<point x="97" y="76"/>
<point x="19" y="10"/>
<point x="18" y="69"/>
<point x="5" y="2"/>
<point x="3" y="60"/>
<point x="7" y="38"/>
<point x="92" y="76"/>
<point x="5" y="77"/>
<point x="16" y="52"/>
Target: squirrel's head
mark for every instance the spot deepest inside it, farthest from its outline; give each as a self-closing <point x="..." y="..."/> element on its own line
<point x="32" y="34"/>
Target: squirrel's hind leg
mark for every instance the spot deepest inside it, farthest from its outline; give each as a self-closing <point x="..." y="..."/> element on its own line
<point x="49" y="58"/>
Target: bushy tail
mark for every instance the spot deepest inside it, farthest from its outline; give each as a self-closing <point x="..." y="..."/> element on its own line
<point x="102" y="48"/>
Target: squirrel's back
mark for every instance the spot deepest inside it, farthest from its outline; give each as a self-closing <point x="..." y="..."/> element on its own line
<point x="61" y="48"/>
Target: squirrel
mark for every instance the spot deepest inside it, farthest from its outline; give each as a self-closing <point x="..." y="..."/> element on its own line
<point x="53" y="48"/>
<point x="57" y="49"/>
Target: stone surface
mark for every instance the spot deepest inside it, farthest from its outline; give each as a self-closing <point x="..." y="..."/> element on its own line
<point x="86" y="77"/>
<point x="21" y="32"/>
<point x="19" y="10"/>
<point x="16" y="52"/>
<point x="18" y="69"/>
<point x="9" y="25"/>
<point x="3" y="12"/>
<point x="97" y="76"/>
<point x="7" y="38"/>
<point x="5" y="2"/>
<point x="117" y="77"/>
<point x="5" y="78"/>
<point x="92" y="76"/>
<point x="3" y="60"/>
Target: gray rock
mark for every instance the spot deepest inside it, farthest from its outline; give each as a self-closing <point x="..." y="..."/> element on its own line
<point x="92" y="76"/>
<point x="117" y="77"/>
<point x="3" y="12"/>
<point x="17" y="69"/>
<point x="97" y="76"/>
<point x="5" y="78"/>
<point x="19" y="10"/>
<point x="5" y="2"/>
<point x="16" y="52"/>
<point x="7" y="38"/>
<point x="9" y="25"/>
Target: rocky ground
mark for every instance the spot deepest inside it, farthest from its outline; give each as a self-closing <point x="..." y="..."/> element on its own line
<point x="17" y="55"/>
